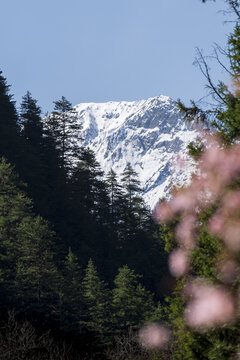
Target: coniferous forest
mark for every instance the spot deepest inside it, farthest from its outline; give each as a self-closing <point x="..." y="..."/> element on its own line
<point x="84" y="264"/>
<point x="81" y="255"/>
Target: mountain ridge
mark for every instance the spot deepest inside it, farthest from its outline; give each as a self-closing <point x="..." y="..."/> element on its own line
<point x="150" y="134"/>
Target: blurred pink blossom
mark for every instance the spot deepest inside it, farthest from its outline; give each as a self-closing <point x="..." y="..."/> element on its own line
<point x="184" y="200"/>
<point x="154" y="336"/>
<point x="178" y="262"/>
<point x="231" y="235"/>
<point x="231" y="203"/>
<point x="229" y="271"/>
<point x="185" y="232"/>
<point x="210" y="306"/>
<point x="162" y="212"/>
<point x="216" y="224"/>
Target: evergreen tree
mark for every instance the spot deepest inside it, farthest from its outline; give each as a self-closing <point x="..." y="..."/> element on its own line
<point x="115" y="192"/>
<point x="131" y="185"/>
<point x="117" y="207"/>
<point x="14" y="208"/>
<point x="132" y="303"/>
<point x="140" y="246"/>
<point x="30" y="115"/>
<point x="37" y="278"/>
<point x="46" y="180"/>
<point x="88" y="210"/>
<point x="34" y="167"/>
<point x="72" y="303"/>
<point x="63" y="127"/>
<point x="28" y="274"/>
<point x="11" y="144"/>
<point x="98" y="300"/>
<point x="133" y="202"/>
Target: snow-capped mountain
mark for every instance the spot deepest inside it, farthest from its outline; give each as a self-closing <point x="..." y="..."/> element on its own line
<point x="150" y="134"/>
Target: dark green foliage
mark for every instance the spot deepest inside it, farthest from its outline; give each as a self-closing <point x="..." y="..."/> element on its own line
<point x="32" y="128"/>
<point x="192" y="113"/>
<point x="88" y="214"/>
<point x="14" y="208"/>
<point x="26" y="243"/>
<point x="195" y="149"/>
<point x="139" y="245"/>
<point x="35" y="169"/>
<point x="115" y="191"/>
<point x="82" y="216"/>
<point x="37" y="278"/>
<point x="10" y="140"/>
<point x="98" y="300"/>
<point x="132" y="303"/>
<point x="72" y="308"/>
<point x="62" y="126"/>
<point x="41" y="169"/>
<point x="234" y="50"/>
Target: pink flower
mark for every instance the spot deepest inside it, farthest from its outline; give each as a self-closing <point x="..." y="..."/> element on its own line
<point x="231" y="203"/>
<point x="154" y="336"/>
<point x="231" y="235"/>
<point x="178" y="263"/>
<point x="229" y="271"/>
<point x="183" y="201"/>
<point x="162" y="212"/>
<point x="185" y="232"/>
<point x="216" y="224"/>
<point x="211" y="306"/>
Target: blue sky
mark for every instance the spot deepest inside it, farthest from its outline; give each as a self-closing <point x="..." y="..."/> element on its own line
<point x="103" y="50"/>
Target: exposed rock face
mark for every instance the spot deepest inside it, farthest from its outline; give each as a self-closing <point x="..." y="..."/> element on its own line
<point x="150" y="134"/>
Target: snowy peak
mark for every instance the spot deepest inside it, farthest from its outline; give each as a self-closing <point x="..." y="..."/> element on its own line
<point x="150" y="134"/>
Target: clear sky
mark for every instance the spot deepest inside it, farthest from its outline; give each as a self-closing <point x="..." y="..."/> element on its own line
<point x="103" y="50"/>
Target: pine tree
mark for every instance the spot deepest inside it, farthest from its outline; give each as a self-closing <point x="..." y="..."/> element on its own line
<point x="115" y="192"/>
<point x="132" y="204"/>
<point x="140" y="247"/>
<point x="37" y="277"/>
<point x="131" y="185"/>
<point x="28" y="273"/>
<point x="132" y="303"/>
<point x="34" y="169"/>
<point x="96" y="198"/>
<point x="72" y="307"/>
<point x="11" y="144"/>
<point x="32" y="127"/>
<point x="117" y="207"/>
<point x="89" y="211"/>
<point x="137" y="215"/>
<point x="98" y="300"/>
<point x="41" y="170"/>
<point x="63" y="127"/>
<point x="14" y="208"/>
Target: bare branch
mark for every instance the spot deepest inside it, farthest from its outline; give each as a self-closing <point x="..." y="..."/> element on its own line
<point x="203" y="66"/>
<point x="217" y="49"/>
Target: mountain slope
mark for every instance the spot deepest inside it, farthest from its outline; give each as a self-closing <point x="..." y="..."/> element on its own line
<point x="150" y="134"/>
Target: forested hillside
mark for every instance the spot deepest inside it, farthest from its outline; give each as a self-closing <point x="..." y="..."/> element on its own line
<point x="80" y="253"/>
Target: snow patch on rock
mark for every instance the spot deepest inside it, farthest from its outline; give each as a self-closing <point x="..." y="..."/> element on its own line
<point x="150" y="134"/>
